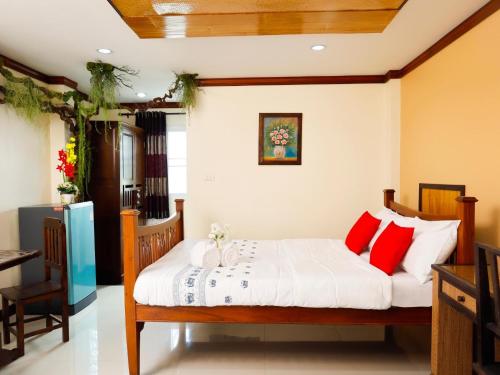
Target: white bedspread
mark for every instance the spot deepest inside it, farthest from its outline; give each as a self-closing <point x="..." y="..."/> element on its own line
<point x="302" y="272"/>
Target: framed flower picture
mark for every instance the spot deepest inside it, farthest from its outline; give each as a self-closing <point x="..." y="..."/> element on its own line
<point x="280" y="138"/>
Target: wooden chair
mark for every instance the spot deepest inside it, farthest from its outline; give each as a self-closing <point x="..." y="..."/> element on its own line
<point x="55" y="258"/>
<point x="487" y="308"/>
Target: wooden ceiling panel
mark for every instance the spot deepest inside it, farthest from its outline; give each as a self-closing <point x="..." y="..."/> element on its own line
<point x="200" y="18"/>
<point x="141" y="8"/>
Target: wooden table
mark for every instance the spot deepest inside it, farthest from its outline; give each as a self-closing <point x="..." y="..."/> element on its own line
<point x="453" y="317"/>
<point x="453" y="314"/>
<point x="8" y="259"/>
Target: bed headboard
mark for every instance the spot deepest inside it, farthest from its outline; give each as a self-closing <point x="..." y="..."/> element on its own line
<point x="465" y="212"/>
<point x="439" y="198"/>
<point x="144" y="245"/>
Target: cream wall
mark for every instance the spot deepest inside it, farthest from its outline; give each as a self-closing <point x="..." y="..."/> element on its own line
<point x="58" y="134"/>
<point x="28" y="159"/>
<point x="350" y="154"/>
<point x="450" y="123"/>
<point x="24" y="168"/>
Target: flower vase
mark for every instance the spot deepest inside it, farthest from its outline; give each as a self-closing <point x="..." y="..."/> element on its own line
<point x="279" y="152"/>
<point x="218" y="245"/>
<point x="67" y="199"/>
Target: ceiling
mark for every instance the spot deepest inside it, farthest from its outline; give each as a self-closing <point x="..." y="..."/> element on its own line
<point x="201" y="18"/>
<point x="57" y="37"/>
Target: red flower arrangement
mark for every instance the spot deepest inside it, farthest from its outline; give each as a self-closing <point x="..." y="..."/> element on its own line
<point x="67" y="161"/>
<point x="64" y="167"/>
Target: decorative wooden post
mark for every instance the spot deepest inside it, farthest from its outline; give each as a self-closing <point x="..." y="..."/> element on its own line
<point x="179" y="207"/>
<point x="466" y="231"/>
<point x="131" y="270"/>
<point x="388" y="197"/>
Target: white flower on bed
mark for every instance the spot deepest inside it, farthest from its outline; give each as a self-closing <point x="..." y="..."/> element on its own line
<point x="219" y="234"/>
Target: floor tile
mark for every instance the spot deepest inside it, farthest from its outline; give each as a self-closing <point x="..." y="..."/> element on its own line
<point x="97" y="346"/>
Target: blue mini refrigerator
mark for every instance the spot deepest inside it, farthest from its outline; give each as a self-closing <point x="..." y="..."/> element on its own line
<point x="79" y="221"/>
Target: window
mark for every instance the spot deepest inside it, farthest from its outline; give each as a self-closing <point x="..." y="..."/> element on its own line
<point x="176" y="154"/>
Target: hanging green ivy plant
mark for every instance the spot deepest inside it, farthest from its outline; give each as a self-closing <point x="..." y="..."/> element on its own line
<point x="75" y="109"/>
<point x="188" y="84"/>
<point x="104" y="82"/>
<point x="185" y="87"/>
<point x="27" y="101"/>
<point x="30" y="101"/>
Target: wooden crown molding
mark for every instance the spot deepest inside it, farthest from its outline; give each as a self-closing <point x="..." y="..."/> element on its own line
<point x="487" y="10"/>
<point x="35" y="74"/>
<point x="475" y="19"/>
<point x="145" y="105"/>
<point x="306" y="80"/>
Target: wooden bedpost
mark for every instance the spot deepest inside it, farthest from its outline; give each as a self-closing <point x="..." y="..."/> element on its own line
<point x="131" y="271"/>
<point x="179" y="207"/>
<point x="466" y="230"/>
<point x="388" y="197"/>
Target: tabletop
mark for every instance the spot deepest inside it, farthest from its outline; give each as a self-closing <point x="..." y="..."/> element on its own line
<point x="11" y="258"/>
<point x="464" y="274"/>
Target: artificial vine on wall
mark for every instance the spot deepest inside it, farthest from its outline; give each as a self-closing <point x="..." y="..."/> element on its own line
<point x="30" y="100"/>
<point x="104" y="80"/>
<point x="186" y="84"/>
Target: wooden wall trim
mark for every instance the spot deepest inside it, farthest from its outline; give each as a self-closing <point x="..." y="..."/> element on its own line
<point x="35" y="74"/>
<point x="139" y="105"/>
<point x="61" y="80"/>
<point x="487" y="10"/>
<point x="305" y="80"/>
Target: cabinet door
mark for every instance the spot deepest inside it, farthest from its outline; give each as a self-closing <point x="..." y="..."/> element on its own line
<point x="104" y="191"/>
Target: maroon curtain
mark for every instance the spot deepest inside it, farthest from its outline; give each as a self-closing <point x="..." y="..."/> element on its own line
<point x="156" y="169"/>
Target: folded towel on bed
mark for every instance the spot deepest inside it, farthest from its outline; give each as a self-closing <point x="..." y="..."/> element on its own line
<point x="229" y="255"/>
<point x="205" y="255"/>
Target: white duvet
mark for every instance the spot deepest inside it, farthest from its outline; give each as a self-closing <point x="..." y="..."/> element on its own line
<point x="302" y="272"/>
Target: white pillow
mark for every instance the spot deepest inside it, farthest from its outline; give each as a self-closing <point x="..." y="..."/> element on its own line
<point x="387" y="215"/>
<point x="433" y="242"/>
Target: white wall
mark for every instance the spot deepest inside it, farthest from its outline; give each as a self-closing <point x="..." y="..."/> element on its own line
<point x="350" y="154"/>
<point x="25" y="176"/>
<point x="28" y="160"/>
<point x="58" y="134"/>
<point x="393" y="113"/>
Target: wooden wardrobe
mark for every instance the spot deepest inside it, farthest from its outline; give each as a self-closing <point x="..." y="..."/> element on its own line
<point x="117" y="181"/>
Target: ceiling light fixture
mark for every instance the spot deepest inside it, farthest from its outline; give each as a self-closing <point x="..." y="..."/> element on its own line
<point x="104" y="51"/>
<point x="318" y="47"/>
<point x="141" y="94"/>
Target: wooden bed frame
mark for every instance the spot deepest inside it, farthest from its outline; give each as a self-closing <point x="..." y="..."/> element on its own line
<point x="143" y="245"/>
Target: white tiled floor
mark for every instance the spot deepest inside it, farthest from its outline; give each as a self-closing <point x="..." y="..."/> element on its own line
<point x="97" y="346"/>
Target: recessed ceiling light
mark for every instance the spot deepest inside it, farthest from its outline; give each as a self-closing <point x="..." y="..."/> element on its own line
<point x="318" y="47"/>
<point x="104" y="51"/>
<point x="141" y="94"/>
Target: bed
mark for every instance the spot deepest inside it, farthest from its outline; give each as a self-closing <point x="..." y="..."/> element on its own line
<point x="154" y="293"/>
<point x="315" y="273"/>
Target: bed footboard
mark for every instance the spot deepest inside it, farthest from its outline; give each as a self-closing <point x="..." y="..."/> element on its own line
<point x="142" y="246"/>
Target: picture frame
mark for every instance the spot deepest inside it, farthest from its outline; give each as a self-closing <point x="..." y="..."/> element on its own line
<point x="280" y="138"/>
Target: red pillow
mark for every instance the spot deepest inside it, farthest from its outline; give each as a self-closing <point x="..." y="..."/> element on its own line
<point x="362" y="232"/>
<point x="390" y="248"/>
